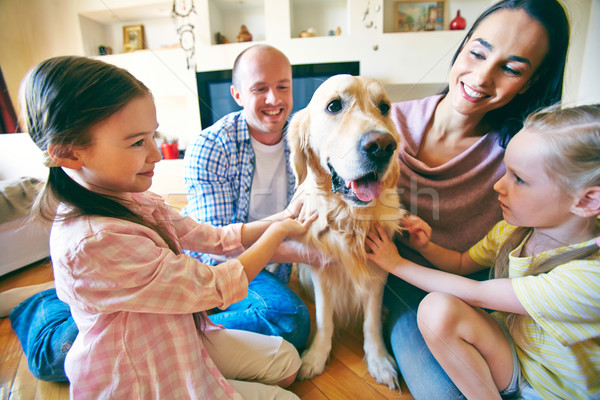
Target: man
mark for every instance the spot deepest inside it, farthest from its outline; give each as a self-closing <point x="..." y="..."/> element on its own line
<point x="237" y="170"/>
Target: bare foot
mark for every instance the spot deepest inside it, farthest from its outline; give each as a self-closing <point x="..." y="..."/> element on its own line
<point x="13" y="297"/>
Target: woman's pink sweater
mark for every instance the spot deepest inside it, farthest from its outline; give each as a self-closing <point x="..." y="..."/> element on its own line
<point x="455" y="198"/>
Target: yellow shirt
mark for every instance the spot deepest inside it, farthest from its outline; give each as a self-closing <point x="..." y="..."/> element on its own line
<point x="560" y="346"/>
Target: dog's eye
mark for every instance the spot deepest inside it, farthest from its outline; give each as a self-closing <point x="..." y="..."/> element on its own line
<point x="384" y="108"/>
<point x="334" y="106"/>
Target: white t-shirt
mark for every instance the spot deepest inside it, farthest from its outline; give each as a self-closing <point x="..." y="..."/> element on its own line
<point x="269" y="183"/>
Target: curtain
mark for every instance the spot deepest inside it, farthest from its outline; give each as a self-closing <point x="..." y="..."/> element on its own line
<point x="8" y="117"/>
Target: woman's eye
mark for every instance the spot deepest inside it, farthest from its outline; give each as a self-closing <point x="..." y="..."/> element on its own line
<point x="334" y="106"/>
<point x="511" y="71"/>
<point x="476" y="54"/>
<point x="384" y="108"/>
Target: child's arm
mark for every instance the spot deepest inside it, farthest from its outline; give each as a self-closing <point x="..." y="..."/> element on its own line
<point x="260" y="253"/>
<point x="496" y="294"/>
<point x="252" y="231"/>
<point x="445" y="259"/>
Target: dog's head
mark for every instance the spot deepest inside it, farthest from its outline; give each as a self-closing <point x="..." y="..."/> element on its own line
<point x="346" y="139"/>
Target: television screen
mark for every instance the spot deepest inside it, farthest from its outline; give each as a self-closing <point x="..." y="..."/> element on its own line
<point x="215" y="99"/>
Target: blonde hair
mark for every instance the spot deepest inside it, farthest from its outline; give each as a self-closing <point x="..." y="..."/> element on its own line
<point x="572" y="157"/>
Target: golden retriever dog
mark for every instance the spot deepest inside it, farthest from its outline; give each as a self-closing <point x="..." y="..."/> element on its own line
<point x="343" y="149"/>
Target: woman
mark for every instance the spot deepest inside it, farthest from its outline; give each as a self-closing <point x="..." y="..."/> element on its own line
<point x="510" y="63"/>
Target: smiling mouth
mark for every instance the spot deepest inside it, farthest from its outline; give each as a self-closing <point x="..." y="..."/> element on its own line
<point x="473" y="93"/>
<point x="360" y="191"/>
<point x="273" y="113"/>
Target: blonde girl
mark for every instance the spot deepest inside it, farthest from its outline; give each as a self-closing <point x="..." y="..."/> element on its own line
<point x="544" y="339"/>
<point x="137" y="301"/>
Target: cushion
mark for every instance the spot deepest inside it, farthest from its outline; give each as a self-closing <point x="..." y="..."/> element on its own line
<point x="17" y="196"/>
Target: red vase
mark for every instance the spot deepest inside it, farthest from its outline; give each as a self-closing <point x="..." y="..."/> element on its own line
<point x="458" y="22"/>
<point x="170" y="151"/>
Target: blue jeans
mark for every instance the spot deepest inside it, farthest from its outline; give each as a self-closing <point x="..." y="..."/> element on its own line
<point x="46" y="330"/>
<point x="271" y="308"/>
<point x="44" y="325"/>
<point x="420" y="370"/>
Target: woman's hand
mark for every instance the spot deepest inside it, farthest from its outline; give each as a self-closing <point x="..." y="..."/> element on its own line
<point x="381" y="249"/>
<point x="418" y="230"/>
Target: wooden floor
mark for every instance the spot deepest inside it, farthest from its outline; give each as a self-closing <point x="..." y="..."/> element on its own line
<point x="346" y="375"/>
<point x="16" y="382"/>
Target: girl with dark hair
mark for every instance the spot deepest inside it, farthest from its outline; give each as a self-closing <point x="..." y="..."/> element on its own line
<point x="138" y="302"/>
<point x="510" y="63"/>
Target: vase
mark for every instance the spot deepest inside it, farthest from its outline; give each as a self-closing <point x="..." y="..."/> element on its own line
<point x="170" y="151"/>
<point x="458" y="22"/>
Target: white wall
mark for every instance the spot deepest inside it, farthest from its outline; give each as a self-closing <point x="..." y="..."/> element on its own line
<point x="409" y="64"/>
<point x="584" y="39"/>
<point x="589" y="88"/>
<point x="33" y="30"/>
<point x="173" y="87"/>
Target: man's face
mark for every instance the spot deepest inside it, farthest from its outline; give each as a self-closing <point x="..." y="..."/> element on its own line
<point x="265" y="93"/>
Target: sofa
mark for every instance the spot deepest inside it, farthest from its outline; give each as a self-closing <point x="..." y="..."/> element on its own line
<point x="22" y="173"/>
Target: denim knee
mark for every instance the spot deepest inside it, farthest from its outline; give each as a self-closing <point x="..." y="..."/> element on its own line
<point x="291" y="323"/>
<point x="271" y="308"/>
<point x="420" y="370"/>
<point x="46" y="330"/>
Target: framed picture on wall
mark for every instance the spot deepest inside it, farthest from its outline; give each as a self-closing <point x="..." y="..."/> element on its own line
<point x="133" y="38"/>
<point x="419" y="16"/>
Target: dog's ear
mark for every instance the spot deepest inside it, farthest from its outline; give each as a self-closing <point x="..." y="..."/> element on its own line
<point x="297" y="137"/>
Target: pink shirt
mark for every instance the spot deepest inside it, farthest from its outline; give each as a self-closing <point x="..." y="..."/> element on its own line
<point x="132" y="299"/>
<point x="456" y="198"/>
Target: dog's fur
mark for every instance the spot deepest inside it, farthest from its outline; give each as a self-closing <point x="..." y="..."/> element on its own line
<point x="343" y="149"/>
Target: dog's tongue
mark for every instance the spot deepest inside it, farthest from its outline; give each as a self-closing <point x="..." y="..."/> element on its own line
<point x="366" y="191"/>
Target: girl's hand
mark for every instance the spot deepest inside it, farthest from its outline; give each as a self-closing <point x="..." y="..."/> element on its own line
<point x="419" y="232"/>
<point x="381" y="249"/>
<point x="297" y="227"/>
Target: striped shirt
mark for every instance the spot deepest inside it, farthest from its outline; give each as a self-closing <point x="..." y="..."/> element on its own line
<point x="132" y="299"/>
<point x="559" y="349"/>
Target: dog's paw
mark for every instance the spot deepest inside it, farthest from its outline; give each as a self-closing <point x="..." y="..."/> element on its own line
<point x="313" y="364"/>
<point x="384" y="370"/>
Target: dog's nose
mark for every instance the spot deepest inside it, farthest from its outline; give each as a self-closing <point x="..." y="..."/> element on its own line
<point x="378" y="146"/>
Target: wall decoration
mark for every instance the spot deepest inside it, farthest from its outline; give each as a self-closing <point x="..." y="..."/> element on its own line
<point x="244" y="35"/>
<point x="133" y="38"/>
<point x="181" y="17"/>
<point x="220" y="38"/>
<point x="418" y="16"/>
<point x="458" y="22"/>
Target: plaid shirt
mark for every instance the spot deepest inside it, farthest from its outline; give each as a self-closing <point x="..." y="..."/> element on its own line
<point x="219" y="166"/>
<point x="132" y="299"/>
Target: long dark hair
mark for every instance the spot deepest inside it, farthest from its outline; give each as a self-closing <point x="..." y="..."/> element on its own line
<point x="547" y="89"/>
<point x="62" y="99"/>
